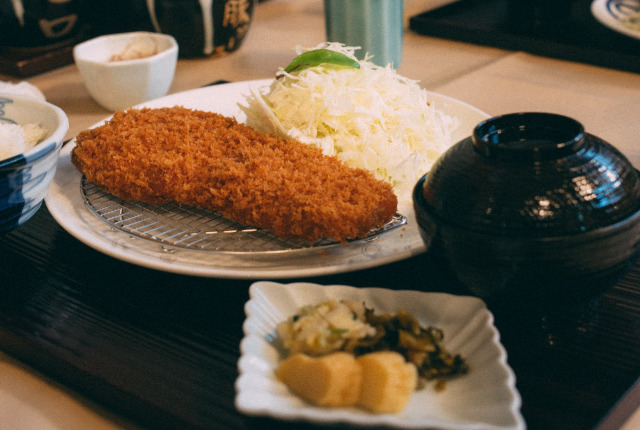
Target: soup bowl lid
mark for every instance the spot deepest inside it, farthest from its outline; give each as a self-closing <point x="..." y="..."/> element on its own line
<point x="530" y="174"/>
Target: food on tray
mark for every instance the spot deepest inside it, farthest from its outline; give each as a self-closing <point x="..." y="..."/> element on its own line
<point x="381" y="382"/>
<point x="368" y="116"/>
<point x="139" y="47"/>
<point x="632" y="21"/>
<point x="325" y="58"/>
<point x="350" y="326"/>
<point x="387" y="381"/>
<point x="324" y="328"/>
<point x="421" y="346"/>
<point x="330" y="380"/>
<point x="207" y="160"/>
<point x="16" y="139"/>
<point x="393" y="353"/>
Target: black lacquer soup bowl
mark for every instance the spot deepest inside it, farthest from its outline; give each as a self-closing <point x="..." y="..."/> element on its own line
<point x="531" y="208"/>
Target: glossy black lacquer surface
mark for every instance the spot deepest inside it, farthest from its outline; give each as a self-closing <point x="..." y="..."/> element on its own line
<point x="532" y="174"/>
<point x="531" y="209"/>
<point x="161" y="349"/>
<point x="563" y="29"/>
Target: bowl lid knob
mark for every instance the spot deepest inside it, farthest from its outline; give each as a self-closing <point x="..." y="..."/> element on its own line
<point x="528" y="136"/>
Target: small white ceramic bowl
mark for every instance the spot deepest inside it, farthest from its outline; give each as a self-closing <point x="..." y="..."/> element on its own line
<point x="120" y="84"/>
<point x="25" y="178"/>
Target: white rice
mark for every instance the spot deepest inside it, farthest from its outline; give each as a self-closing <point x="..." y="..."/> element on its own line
<point x="16" y="139"/>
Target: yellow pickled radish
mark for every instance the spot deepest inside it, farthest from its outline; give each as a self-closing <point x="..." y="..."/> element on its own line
<point x="330" y="380"/>
<point x="387" y="381"/>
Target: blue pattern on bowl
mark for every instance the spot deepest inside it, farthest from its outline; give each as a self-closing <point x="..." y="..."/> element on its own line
<point x="622" y="8"/>
<point x="25" y="178"/>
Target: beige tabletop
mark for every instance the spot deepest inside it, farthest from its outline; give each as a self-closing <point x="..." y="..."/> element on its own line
<point x="606" y="102"/>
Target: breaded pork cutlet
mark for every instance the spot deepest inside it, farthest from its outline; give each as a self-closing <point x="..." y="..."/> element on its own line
<point x="208" y="160"/>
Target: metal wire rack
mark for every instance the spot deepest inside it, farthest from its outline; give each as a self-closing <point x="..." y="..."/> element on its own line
<point x="192" y="228"/>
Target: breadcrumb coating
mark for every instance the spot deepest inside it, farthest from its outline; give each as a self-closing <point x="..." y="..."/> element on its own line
<point x="207" y="160"/>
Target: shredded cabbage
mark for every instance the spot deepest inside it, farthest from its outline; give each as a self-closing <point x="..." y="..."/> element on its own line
<point x="370" y="117"/>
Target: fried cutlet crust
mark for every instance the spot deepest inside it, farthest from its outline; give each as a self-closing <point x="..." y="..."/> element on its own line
<point x="210" y="161"/>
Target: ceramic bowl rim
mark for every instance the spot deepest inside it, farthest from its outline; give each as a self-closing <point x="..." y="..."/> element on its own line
<point x="168" y="52"/>
<point x="51" y="143"/>
<point x="606" y="230"/>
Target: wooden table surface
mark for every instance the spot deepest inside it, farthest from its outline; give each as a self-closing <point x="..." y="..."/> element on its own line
<point x="90" y="341"/>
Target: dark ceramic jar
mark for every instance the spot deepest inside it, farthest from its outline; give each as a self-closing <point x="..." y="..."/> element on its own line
<point x="533" y="208"/>
<point x="34" y="25"/>
<point x="203" y="27"/>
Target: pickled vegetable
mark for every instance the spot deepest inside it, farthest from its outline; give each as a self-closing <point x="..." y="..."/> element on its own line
<point x="421" y="346"/>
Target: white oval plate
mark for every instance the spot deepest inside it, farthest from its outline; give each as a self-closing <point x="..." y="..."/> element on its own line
<point x="66" y="205"/>
<point x="611" y="13"/>
<point x="485" y="398"/>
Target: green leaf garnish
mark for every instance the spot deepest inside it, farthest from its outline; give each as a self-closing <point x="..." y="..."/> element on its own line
<point x="321" y="57"/>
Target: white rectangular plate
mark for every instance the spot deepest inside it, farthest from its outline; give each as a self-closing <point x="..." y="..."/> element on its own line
<point x="486" y="398"/>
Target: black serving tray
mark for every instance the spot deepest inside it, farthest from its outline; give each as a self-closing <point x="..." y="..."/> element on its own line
<point x="25" y="62"/>
<point x="161" y="349"/>
<point x="573" y="34"/>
